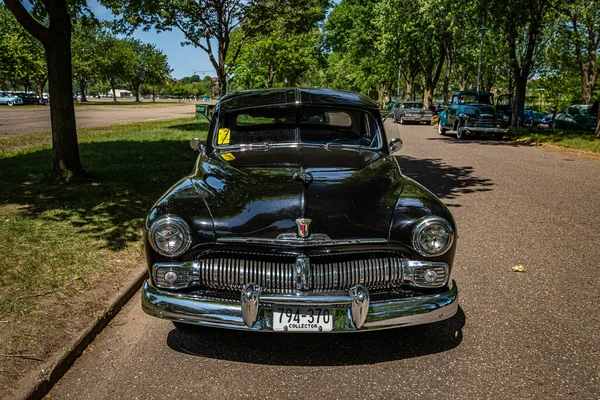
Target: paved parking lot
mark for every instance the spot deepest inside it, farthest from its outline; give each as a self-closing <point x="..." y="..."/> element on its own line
<point x="531" y="335"/>
<point x="19" y="120"/>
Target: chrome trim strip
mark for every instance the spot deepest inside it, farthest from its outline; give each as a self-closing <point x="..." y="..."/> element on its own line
<point x="287" y="239"/>
<point x="199" y="310"/>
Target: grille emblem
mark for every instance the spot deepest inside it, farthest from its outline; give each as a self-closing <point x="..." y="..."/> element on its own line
<point x="303" y="224"/>
<point x="302" y="276"/>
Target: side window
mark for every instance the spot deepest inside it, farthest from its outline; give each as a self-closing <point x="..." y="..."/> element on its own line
<point x="455" y="100"/>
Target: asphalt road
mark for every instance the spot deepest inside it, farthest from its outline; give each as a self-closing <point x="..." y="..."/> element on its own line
<point x="531" y="335"/>
<point x="20" y="120"/>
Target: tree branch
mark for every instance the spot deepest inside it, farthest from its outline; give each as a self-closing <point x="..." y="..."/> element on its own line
<point x="32" y="26"/>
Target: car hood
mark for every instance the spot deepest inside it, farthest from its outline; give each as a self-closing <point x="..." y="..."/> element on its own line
<point x="346" y="193"/>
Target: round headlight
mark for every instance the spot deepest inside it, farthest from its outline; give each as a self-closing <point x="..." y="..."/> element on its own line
<point x="170" y="236"/>
<point x="505" y="118"/>
<point x="432" y="236"/>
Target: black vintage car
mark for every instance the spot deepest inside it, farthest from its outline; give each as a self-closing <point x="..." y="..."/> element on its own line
<point x="411" y="111"/>
<point x="297" y="218"/>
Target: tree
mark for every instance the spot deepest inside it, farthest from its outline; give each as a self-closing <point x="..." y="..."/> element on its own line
<point x="581" y="27"/>
<point x="353" y="36"/>
<point x="50" y="23"/>
<point x="289" y="46"/>
<point x="147" y="65"/>
<point x="204" y="23"/>
<point x="413" y="34"/>
<point x="115" y="62"/>
<point x="521" y="22"/>
<point x="85" y="48"/>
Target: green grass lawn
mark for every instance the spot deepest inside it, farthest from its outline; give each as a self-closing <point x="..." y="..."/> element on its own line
<point x="563" y="138"/>
<point x="62" y="244"/>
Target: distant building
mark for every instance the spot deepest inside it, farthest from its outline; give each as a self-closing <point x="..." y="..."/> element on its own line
<point x="122" y="93"/>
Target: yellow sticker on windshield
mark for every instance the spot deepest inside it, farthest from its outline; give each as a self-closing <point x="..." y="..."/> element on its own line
<point x="223" y="136"/>
<point x="227" y="157"/>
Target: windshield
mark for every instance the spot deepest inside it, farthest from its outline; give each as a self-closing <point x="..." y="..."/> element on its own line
<point x="413" y="106"/>
<point x="473" y="99"/>
<point x="298" y="125"/>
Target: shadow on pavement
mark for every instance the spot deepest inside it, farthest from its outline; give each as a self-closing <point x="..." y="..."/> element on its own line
<point x="319" y="350"/>
<point x="481" y="140"/>
<point x="444" y="180"/>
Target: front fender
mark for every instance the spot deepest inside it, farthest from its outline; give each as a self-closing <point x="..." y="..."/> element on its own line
<point x="414" y="203"/>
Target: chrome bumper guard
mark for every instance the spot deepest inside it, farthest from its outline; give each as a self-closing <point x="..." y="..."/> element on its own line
<point x="352" y="310"/>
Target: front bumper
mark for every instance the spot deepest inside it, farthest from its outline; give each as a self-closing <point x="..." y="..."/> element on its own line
<point x="472" y="128"/>
<point x="418" y="118"/>
<point x="222" y="313"/>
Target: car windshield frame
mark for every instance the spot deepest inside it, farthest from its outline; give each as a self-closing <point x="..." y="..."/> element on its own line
<point x="302" y="127"/>
<point x="475" y="99"/>
<point x="419" y="106"/>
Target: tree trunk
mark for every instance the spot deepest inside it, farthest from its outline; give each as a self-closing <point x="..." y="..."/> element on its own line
<point x="82" y="87"/>
<point x="586" y="88"/>
<point x="380" y="87"/>
<point x="153" y="94"/>
<point x="447" y="78"/>
<point x="598" y="126"/>
<point x="520" y="91"/>
<point x="66" y="162"/>
<point x="137" y="93"/>
<point x="112" y="86"/>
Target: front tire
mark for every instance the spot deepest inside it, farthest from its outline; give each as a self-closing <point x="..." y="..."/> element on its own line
<point x="401" y="120"/>
<point x="441" y="130"/>
<point x="10" y="103"/>
<point x="460" y="132"/>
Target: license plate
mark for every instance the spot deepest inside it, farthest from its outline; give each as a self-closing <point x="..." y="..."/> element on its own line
<point x="302" y="319"/>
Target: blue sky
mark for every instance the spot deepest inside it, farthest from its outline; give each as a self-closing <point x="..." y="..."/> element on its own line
<point x="184" y="60"/>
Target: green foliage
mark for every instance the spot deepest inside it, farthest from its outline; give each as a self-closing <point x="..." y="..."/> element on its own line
<point x="357" y="62"/>
<point x="145" y="65"/>
<point x="22" y="58"/>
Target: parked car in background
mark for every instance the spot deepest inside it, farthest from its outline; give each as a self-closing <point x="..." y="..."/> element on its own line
<point x="411" y="111"/>
<point x="297" y="218"/>
<point x="531" y="118"/>
<point x="472" y="113"/>
<point x="576" y="117"/>
<point x="28" y="98"/>
<point x="10" y="99"/>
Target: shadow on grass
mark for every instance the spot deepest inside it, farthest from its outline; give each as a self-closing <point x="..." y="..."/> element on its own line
<point x="126" y="178"/>
<point x="444" y="180"/>
<point x="329" y="350"/>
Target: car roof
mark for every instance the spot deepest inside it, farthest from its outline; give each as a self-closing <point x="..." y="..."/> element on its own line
<point x="285" y="96"/>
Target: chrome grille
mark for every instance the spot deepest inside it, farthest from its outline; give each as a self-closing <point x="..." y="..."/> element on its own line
<point x="275" y="273"/>
<point x="487" y="122"/>
<point x="232" y="270"/>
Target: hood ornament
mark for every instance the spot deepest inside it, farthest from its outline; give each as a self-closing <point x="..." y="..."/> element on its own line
<point x="303" y="224"/>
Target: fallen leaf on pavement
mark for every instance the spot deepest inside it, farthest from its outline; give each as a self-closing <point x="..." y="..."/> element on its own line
<point x="518" y="268"/>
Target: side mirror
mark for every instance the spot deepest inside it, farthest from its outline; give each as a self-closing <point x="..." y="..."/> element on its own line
<point x="197" y="144"/>
<point x="395" y="145"/>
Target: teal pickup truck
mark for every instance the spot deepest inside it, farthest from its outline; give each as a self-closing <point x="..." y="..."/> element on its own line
<point x="472" y="113"/>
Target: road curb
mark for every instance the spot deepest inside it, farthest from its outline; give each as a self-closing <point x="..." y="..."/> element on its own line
<point x="59" y="364"/>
